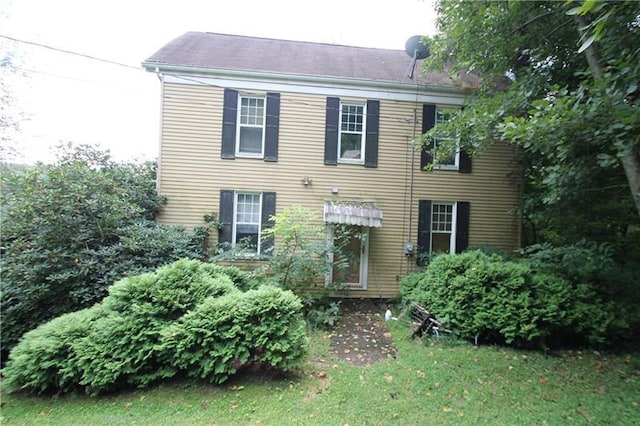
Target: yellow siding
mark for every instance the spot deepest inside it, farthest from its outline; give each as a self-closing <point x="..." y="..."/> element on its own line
<point x="192" y="174"/>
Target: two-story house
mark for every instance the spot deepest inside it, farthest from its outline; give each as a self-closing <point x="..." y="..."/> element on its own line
<point x="250" y="126"/>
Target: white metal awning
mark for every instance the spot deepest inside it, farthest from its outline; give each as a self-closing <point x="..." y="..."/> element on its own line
<point x="360" y="213"/>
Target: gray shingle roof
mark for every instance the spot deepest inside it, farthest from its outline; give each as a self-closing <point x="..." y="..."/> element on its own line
<point x="204" y="50"/>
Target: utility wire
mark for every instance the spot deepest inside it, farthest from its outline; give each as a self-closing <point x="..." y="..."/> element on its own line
<point x="70" y="52"/>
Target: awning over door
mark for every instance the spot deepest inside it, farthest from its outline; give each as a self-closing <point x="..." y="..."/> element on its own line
<point x="360" y="213"/>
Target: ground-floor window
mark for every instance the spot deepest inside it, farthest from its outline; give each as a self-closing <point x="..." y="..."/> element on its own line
<point x="443" y="227"/>
<point x="244" y="215"/>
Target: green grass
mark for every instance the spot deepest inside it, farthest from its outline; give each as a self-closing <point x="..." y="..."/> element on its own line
<point x="435" y="383"/>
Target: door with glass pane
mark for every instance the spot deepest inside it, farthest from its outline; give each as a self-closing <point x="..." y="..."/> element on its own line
<point x="350" y="260"/>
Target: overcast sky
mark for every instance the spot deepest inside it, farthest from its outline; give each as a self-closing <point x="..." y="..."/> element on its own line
<point x="66" y="97"/>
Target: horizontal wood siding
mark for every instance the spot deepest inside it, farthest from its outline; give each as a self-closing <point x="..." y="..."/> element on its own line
<point x="193" y="172"/>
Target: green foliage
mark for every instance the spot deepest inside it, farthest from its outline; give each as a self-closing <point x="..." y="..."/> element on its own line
<point x="521" y="303"/>
<point x="70" y="229"/>
<point x="570" y="103"/>
<point x="46" y="361"/>
<point x="263" y="326"/>
<point x="323" y="313"/>
<point x="300" y="259"/>
<point x="186" y="316"/>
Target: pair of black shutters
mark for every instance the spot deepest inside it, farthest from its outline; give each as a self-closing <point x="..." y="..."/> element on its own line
<point x="227" y="199"/>
<point x="424" y="226"/>
<point x="229" y="125"/>
<point x="332" y="132"/>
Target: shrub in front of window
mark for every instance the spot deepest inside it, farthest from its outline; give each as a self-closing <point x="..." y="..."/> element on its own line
<point x="485" y="298"/>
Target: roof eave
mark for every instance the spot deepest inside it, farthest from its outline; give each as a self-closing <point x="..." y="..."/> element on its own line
<point x="298" y="78"/>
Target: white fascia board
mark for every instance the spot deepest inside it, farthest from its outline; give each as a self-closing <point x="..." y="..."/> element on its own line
<point x="326" y="86"/>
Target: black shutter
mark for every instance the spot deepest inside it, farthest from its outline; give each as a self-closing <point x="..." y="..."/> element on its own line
<point x="371" y="141"/>
<point x="229" y="117"/>
<point x="268" y="210"/>
<point x="225" y="234"/>
<point x="331" y="131"/>
<point x="272" y="127"/>
<point x="462" y="226"/>
<point x="465" y="162"/>
<point x="424" y="229"/>
<point x="428" y="121"/>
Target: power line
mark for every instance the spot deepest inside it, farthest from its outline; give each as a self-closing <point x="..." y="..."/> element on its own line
<point x="70" y="52"/>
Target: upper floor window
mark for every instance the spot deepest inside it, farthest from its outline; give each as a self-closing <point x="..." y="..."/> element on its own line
<point x="251" y="119"/>
<point x="351" y="132"/>
<point x="450" y="160"/>
<point x="250" y="125"/>
<point x="351" y="142"/>
<point x="455" y="158"/>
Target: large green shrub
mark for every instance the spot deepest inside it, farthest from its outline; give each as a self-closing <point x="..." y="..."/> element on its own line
<point x="263" y="326"/>
<point x="72" y="228"/>
<point x="483" y="296"/>
<point x="150" y="323"/>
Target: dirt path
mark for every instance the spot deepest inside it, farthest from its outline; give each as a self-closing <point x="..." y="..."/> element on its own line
<point x="361" y="336"/>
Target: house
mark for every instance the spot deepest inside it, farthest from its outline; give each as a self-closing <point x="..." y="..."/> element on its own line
<point x="251" y="125"/>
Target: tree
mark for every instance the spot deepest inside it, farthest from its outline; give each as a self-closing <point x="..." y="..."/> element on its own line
<point x="72" y="228"/>
<point x="560" y="80"/>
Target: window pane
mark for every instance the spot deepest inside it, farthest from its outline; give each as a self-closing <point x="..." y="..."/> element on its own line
<point x="250" y="140"/>
<point x="251" y="111"/>
<point x="351" y="146"/>
<point x="441" y="242"/>
<point x="442" y="217"/>
<point x="442" y="116"/>
<point x="247" y="237"/>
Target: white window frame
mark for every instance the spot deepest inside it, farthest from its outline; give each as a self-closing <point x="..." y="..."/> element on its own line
<point x="440" y="118"/>
<point x="454" y="217"/>
<point x="239" y="125"/>
<point x="236" y="222"/>
<point x="363" y="134"/>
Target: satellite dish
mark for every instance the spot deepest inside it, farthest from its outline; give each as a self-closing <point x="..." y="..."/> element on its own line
<point x="415" y="48"/>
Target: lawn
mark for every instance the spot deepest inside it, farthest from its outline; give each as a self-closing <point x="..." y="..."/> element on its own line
<point x="436" y="383"/>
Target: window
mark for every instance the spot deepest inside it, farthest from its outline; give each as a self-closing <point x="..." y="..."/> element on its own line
<point x="442" y="220"/>
<point x="352" y="137"/>
<point x="459" y="161"/>
<point x="351" y="132"/>
<point x="244" y="215"/>
<point x="250" y="126"/>
<point x="251" y="118"/>
<point x="452" y="160"/>
<point x="246" y="229"/>
<point x="443" y="227"/>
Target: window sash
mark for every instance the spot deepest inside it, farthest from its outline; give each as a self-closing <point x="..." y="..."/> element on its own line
<point x="453" y="161"/>
<point x="247" y="211"/>
<point x="251" y="126"/>
<point x="443" y="227"/>
<point x="352" y="131"/>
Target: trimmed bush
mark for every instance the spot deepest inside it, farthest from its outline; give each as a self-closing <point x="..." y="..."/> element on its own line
<point x="263" y="326"/>
<point x="150" y="323"/>
<point x="45" y="360"/>
<point x="483" y="296"/>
